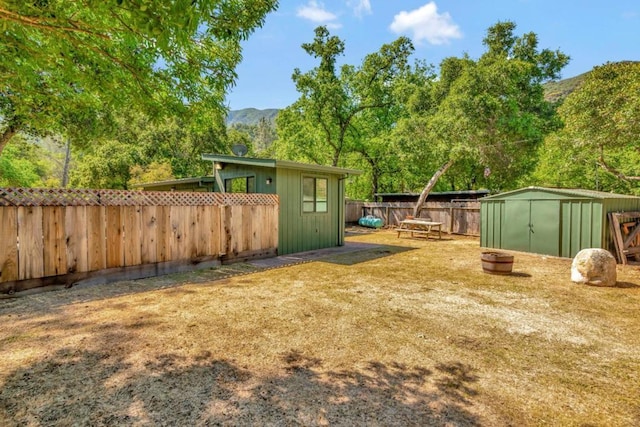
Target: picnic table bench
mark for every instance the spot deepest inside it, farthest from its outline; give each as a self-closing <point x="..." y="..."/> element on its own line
<point x="419" y="226"/>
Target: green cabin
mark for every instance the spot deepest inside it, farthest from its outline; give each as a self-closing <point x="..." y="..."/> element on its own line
<point x="551" y="221"/>
<point x="312" y="197"/>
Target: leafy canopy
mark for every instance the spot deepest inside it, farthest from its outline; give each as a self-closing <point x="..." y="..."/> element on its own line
<point x="490" y="111"/>
<point x="66" y="63"/>
<point x="142" y="149"/>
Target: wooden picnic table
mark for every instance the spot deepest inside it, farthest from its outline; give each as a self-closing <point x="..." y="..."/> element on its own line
<point x="419" y="226"/>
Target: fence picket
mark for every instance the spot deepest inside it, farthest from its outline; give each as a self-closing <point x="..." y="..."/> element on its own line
<point x="175" y="233"/>
<point x="216" y="234"/>
<point x="256" y="229"/>
<point x="55" y="248"/>
<point x="247" y="228"/>
<point x="149" y="247"/>
<point x="114" y="243"/>
<point x="76" y="237"/>
<point x="163" y="227"/>
<point x="9" y="244"/>
<point x="96" y="255"/>
<point x="191" y="232"/>
<point x="235" y="229"/>
<point x="31" y="253"/>
<point x="132" y="255"/>
<point x="203" y="236"/>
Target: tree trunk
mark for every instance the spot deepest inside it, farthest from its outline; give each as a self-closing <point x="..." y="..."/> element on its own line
<point x="67" y="160"/>
<point x="375" y="181"/>
<point x="427" y="189"/>
<point x="6" y="136"/>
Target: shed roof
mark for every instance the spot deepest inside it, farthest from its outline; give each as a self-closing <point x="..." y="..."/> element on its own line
<point x="200" y="180"/>
<point x="571" y="192"/>
<point x="284" y="164"/>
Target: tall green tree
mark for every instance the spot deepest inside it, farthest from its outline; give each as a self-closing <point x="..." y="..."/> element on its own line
<point x="601" y="119"/>
<point x="314" y="128"/>
<point x="491" y="110"/>
<point x="383" y="82"/>
<point x="265" y="134"/>
<point x="345" y="115"/>
<point x="260" y="135"/>
<point x="62" y="61"/>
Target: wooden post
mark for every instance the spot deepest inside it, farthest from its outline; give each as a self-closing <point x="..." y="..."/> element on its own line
<point x="451" y="221"/>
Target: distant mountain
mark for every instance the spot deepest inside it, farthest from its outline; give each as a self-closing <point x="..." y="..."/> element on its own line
<point x="251" y="116"/>
<point x="559" y="90"/>
<point x="556" y="91"/>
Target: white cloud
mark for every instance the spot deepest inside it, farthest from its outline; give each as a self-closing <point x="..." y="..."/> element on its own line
<point x="315" y="12"/>
<point x="333" y="25"/>
<point x="360" y="7"/>
<point x="425" y="23"/>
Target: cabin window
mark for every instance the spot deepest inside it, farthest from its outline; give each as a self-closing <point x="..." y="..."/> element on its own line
<point x="243" y="184"/>
<point x="314" y="194"/>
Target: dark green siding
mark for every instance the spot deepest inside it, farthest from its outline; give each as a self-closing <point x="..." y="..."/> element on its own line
<point x="261" y="174"/>
<point x="491" y="219"/>
<point x="578" y="229"/>
<point x="301" y="231"/>
<point x="297" y="231"/>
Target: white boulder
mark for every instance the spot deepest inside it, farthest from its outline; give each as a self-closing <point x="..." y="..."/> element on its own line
<point x="594" y="267"/>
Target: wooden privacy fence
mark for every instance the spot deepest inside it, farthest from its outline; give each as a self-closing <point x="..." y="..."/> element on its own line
<point x="457" y="217"/>
<point x="62" y="237"/>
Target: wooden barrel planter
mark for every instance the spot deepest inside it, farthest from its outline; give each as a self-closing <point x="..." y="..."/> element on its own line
<point x="497" y="262"/>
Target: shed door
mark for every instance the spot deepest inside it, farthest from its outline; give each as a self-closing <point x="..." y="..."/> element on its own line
<point x="532" y="226"/>
<point x="545" y="227"/>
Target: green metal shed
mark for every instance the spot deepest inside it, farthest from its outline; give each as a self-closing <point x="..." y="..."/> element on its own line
<point x="312" y="197"/>
<point x="551" y="221"/>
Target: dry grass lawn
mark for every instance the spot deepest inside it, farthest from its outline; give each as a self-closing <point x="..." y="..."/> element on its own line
<point x="408" y="333"/>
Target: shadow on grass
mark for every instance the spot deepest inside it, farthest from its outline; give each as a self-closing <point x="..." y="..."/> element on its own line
<point x="356" y="257"/>
<point x="430" y="239"/>
<point x="52" y="301"/>
<point x="519" y="274"/>
<point x="626" y="285"/>
<point x="81" y="387"/>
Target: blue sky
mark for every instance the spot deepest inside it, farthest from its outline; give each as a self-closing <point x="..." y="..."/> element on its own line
<point x="590" y="32"/>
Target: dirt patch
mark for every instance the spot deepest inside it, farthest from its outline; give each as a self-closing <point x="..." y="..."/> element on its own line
<point x="409" y="332"/>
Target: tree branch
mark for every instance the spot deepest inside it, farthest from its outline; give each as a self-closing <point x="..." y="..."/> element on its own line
<point x="432" y="183"/>
<point x="614" y="171"/>
<point x="102" y="52"/>
<point x="7" y="134"/>
<point x="39" y="23"/>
